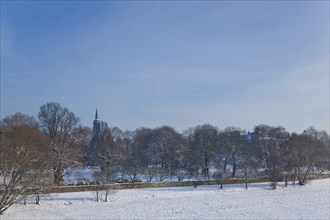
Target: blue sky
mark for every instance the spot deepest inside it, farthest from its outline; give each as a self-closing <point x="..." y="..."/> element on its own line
<point x="176" y="63"/>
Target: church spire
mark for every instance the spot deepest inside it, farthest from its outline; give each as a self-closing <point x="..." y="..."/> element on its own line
<point x="96" y="116"/>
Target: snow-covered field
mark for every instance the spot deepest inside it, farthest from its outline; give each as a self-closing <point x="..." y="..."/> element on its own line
<point x="205" y="202"/>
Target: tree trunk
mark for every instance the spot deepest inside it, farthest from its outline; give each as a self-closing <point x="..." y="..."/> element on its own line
<point x="222" y="180"/>
<point x="171" y="172"/>
<point x="37" y="199"/>
<point x="106" y="196"/>
<point x="302" y="180"/>
<point x="294" y="177"/>
<point x="58" y="175"/>
<point x="234" y="169"/>
<point x="246" y="177"/>
<point x="273" y="178"/>
<point x="224" y="167"/>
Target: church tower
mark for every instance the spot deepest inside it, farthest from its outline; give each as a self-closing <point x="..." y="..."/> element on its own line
<point x="96" y="125"/>
<point x="100" y="129"/>
<point x="96" y="142"/>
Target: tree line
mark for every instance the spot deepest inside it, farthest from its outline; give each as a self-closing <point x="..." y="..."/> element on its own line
<point x="36" y="153"/>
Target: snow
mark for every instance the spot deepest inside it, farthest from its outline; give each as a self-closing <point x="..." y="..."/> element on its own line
<point x="204" y="202"/>
<point x="80" y="175"/>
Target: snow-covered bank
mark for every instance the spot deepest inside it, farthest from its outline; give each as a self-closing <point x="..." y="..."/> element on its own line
<point x="204" y="202"/>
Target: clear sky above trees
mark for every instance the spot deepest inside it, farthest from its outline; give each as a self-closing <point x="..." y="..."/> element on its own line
<point x="180" y="64"/>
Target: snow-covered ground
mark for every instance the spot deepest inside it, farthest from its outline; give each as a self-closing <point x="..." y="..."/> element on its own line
<point x="205" y="202"/>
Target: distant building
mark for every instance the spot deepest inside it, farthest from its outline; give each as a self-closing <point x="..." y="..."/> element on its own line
<point x="100" y="129"/>
<point x="96" y="125"/>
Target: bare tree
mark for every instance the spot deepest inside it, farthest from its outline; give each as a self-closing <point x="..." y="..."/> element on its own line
<point x="304" y="153"/>
<point x="167" y="147"/>
<point x="323" y="161"/>
<point x="150" y="173"/>
<point x="23" y="168"/>
<point x="202" y="143"/>
<point x="117" y="153"/>
<point x="322" y="136"/>
<point x="140" y="146"/>
<point x="233" y="142"/>
<point x="84" y="138"/>
<point x="130" y="165"/>
<point x="108" y="156"/>
<point x="137" y="158"/>
<point x="59" y="124"/>
<point x="106" y="177"/>
<point x="269" y="141"/>
<point x="249" y="162"/>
